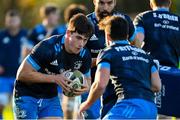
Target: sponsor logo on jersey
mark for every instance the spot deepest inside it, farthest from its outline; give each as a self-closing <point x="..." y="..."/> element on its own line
<point x="54" y="63"/>
<point x="93" y="38"/>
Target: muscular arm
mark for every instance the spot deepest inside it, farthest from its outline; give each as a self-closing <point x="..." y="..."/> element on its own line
<point x="139" y="39"/>
<point x="155" y="82"/>
<point x="101" y="80"/>
<point x="27" y="73"/>
<point x="98" y="87"/>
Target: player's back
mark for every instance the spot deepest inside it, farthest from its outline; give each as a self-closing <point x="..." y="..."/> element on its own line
<point x="162" y="35"/>
<point x="130" y="71"/>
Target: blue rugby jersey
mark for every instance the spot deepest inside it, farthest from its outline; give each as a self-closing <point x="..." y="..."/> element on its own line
<point x="162" y="35"/>
<point x="38" y="33"/>
<point x="49" y="57"/>
<point x="97" y="41"/>
<point x="130" y="70"/>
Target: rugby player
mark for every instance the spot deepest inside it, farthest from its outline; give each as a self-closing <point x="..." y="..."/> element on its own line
<point x="103" y="8"/>
<point x="133" y="73"/>
<point x="158" y="33"/>
<point x="35" y="92"/>
<point x="13" y="40"/>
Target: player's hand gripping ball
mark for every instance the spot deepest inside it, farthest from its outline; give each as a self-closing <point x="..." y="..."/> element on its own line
<point x="77" y="81"/>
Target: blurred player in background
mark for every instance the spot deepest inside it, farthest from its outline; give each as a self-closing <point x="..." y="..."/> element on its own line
<point x="35" y="93"/>
<point x="69" y="12"/>
<point x="133" y="73"/>
<point x="158" y="32"/>
<point x="13" y="41"/>
<point x="50" y="18"/>
<point x="103" y="8"/>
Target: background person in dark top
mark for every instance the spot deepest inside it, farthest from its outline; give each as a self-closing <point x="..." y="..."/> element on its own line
<point x="133" y="73"/>
<point x="50" y="19"/>
<point x="159" y="30"/>
<point x="69" y="12"/>
<point x="35" y="94"/>
<point x="103" y="8"/>
<point x="13" y="41"/>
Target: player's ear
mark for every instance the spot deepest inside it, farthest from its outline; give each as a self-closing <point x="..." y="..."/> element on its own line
<point x="68" y="33"/>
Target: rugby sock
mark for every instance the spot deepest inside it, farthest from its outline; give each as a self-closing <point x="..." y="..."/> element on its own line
<point x="0" y="117"/>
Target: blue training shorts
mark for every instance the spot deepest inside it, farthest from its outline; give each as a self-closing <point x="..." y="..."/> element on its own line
<point x="27" y="107"/>
<point x="133" y="109"/>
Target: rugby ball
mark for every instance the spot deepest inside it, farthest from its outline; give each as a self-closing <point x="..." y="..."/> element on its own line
<point x="77" y="81"/>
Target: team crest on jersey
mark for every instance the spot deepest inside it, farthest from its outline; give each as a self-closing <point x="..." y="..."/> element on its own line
<point x="134" y="53"/>
<point x="77" y="65"/>
<point x="6" y="40"/>
<point x="93" y="38"/>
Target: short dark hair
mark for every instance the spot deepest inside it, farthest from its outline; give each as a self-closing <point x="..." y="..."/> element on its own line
<point x="161" y="3"/>
<point x="48" y="9"/>
<point x="74" y="9"/>
<point x="116" y="26"/>
<point x="12" y="13"/>
<point x="80" y="24"/>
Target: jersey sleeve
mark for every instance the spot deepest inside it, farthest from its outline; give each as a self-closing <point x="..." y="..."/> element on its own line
<point x="41" y="55"/>
<point x="138" y="23"/>
<point x="103" y="56"/>
<point x="154" y="65"/>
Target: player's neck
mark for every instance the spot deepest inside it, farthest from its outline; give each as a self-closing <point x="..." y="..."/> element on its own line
<point x="66" y="47"/>
<point x="47" y="25"/>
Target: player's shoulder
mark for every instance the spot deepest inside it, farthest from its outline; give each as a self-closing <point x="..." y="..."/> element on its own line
<point x="123" y="15"/>
<point x="90" y="15"/>
<point x="24" y="31"/>
<point x="107" y="51"/>
<point x="55" y="39"/>
<point x="61" y="29"/>
<point x="49" y="45"/>
<point x="145" y="13"/>
<point x="92" y="18"/>
<point x="39" y="28"/>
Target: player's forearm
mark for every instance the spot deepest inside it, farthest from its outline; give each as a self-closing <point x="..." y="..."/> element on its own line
<point x="139" y="40"/>
<point x="95" y="92"/>
<point x="88" y="80"/>
<point x="35" y="77"/>
<point x="155" y="82"/>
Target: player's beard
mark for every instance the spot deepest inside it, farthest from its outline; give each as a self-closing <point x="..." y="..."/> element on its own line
<point x="101" y="15"/>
